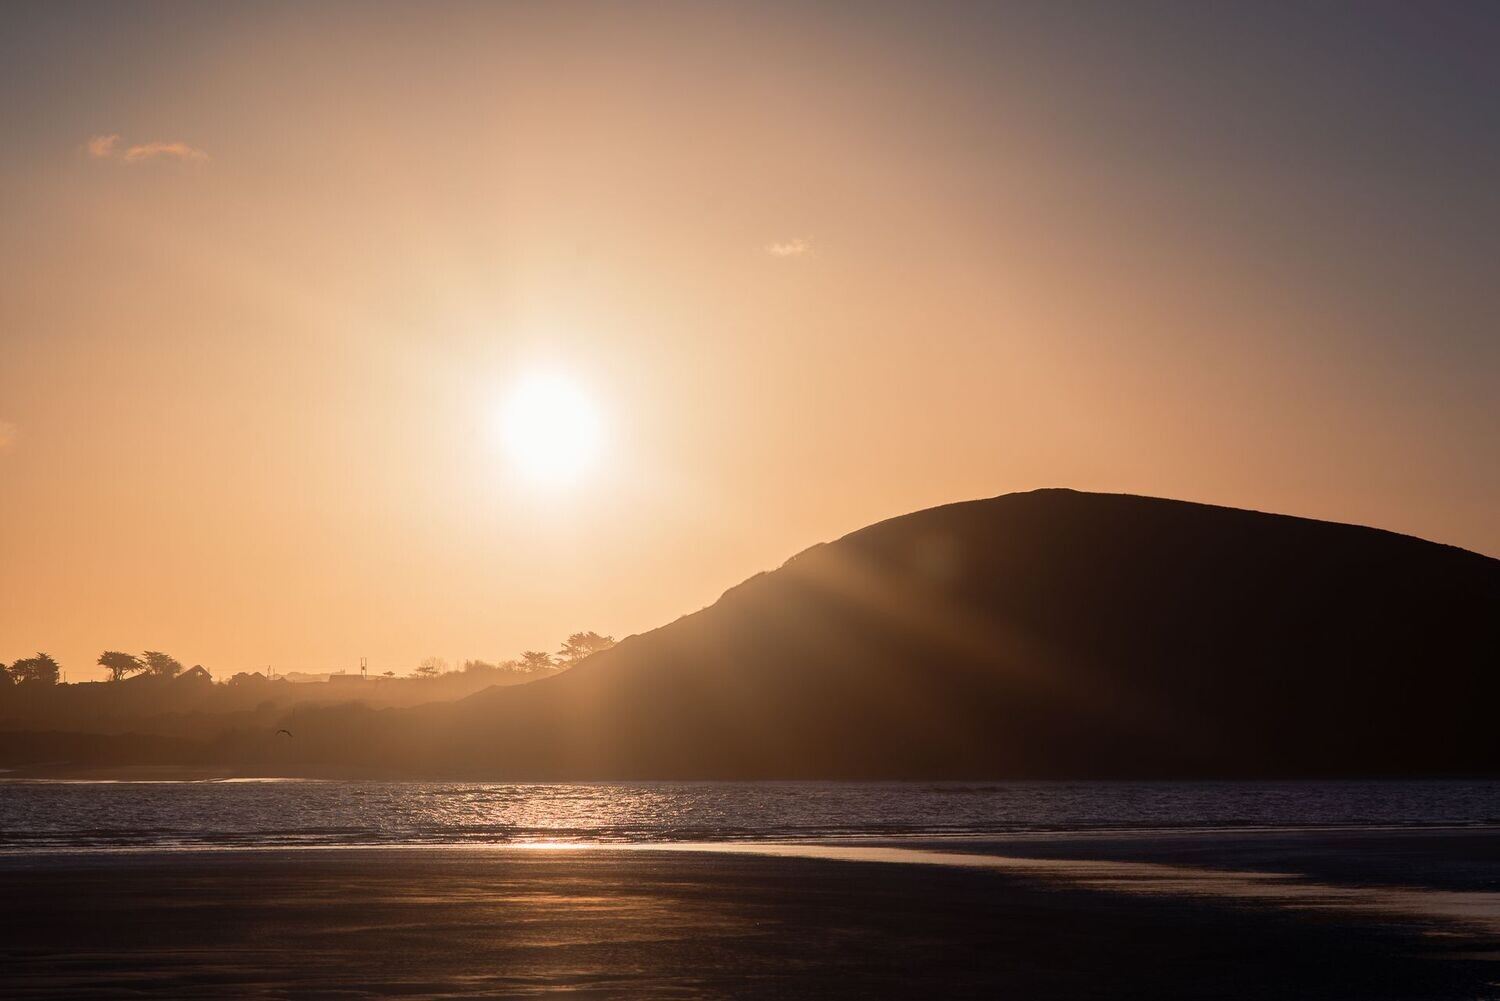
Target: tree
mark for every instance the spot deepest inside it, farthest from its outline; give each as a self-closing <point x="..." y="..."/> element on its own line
<point x="5" y="677"/>
<point x="38" y="670"/>
<point x="161" y="665"/>
<point x="580" y="645"/>
<point x="536" y="660"/>
<point x="120" y="664"/>
<point x="431" y="667"/>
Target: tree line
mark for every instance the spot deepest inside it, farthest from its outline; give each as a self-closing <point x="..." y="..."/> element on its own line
<point x="43" y="669"/>
<point x="576" y="647"/>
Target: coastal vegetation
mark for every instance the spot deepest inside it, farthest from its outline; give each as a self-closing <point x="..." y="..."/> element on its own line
<point x="152" y="697"/>
<point x="43" y="669"/>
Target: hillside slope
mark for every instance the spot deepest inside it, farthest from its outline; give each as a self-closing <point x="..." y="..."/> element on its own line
<point x="1045" y="634"/>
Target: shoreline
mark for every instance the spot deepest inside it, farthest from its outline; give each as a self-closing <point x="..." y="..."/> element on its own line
<point x="1474" y="909"/>
<point x="741" y="921"/>
<point x="1058" y="835"/>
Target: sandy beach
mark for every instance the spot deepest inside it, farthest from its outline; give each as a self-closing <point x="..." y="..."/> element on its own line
<point x="672" y="923"/>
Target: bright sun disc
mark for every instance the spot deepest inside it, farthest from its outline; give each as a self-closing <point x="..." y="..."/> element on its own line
<point x="551" y="429"/>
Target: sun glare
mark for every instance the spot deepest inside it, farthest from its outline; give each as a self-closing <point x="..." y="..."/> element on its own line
<point x="551" y="428"/>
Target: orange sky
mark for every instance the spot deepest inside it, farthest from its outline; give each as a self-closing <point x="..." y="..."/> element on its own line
<point x="817" y="265"/>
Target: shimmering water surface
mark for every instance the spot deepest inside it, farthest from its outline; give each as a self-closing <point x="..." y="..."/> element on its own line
<point x="49" y="816"/>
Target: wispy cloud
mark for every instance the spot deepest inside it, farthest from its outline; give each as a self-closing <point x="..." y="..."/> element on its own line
<point x="172" y="150"/>
<point x="8" y="433"/>
<point x="796" y="247"/>
<point x="102" y="147"/>
<point x="109" y="147"/>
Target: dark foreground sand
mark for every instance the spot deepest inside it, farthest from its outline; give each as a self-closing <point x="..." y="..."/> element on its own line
<point x="608" y="923"/>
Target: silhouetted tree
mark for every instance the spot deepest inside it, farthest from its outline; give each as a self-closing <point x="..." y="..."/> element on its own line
<point x="38" y="670"/>
<point x="431" y="667"/>
<point x="160" y="665"/>
<point x="390" y="674"/>
<point x="536" y="660"/>
<point x="580" y="645"/>
<point x="5" y="676"/>
<point x="120" y="664"/>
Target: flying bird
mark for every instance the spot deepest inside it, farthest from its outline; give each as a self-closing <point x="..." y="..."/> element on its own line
<point x="280" y="732"/>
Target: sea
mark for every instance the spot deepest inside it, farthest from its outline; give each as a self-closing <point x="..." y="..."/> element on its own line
<point x="46" y="816"/>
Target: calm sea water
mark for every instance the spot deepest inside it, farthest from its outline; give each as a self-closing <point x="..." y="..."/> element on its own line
<point x="50" y="816"/>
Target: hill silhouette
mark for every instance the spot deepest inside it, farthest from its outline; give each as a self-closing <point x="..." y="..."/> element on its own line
<point x="1044" y="634"/>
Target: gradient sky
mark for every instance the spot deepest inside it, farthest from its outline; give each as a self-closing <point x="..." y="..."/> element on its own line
<point x="818" y="265"/>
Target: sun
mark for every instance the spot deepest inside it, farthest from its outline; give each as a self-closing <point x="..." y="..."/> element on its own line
<point x="551" y="428"/>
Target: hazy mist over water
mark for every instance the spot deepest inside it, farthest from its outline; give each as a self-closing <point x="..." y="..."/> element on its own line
<point x="52" y="816"/>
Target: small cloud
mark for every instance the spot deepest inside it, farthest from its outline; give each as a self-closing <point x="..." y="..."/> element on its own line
<point x="8" y="433"/>
<point x="108" y="148"/>
<point x="102" y="147"/>
<point x="797" y="247"/>
<point x="172" y="151"/>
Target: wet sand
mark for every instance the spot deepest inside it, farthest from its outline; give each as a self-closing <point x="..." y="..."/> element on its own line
<point x="649" y="923"/>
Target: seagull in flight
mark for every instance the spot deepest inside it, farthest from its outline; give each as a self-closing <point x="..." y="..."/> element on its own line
<point x="280" y="732"/>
